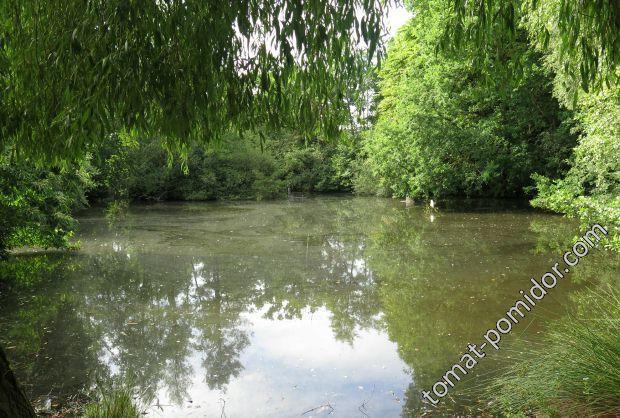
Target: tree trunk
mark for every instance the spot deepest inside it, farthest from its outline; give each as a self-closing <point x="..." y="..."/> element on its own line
<point x="13" y="402"/>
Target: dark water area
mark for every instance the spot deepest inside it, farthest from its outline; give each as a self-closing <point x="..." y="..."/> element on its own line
<point x="341" y="305"/>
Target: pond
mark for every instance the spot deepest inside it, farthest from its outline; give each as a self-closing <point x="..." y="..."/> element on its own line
<point x="341" y="305"/>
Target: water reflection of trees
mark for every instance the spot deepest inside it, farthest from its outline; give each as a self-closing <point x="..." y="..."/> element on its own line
<point x="432" y="286"/>
<point x="217" y="310"/>
<point x="442" y="283"/>
<point x="50" y="345"/>
<point x="140" y="315"/>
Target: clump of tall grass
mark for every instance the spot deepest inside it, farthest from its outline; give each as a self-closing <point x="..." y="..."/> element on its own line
<point x="575" y="372"/>
<point x="119" y="403"/>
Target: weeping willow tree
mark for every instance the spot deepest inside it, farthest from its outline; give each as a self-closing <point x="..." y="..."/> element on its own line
<point x="585" y="34"/>
<point x="73" y="72"/>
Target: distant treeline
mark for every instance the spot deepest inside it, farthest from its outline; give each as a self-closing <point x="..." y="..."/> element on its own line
<point x="239" y="167"/>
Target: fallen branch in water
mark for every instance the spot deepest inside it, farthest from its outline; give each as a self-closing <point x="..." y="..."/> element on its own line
<point x="362" y="408"/>
<point x="223" y="414"/>
<point x="331" y="409"/>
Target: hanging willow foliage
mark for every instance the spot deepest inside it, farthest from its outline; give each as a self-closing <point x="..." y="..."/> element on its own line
<point x="73" y="71"/>
<point x="588" y="32"/>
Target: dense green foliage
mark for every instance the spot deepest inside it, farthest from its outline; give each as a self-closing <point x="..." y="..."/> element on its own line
<point x="591" y="189"/>
<point x="492" y="98"/>
<point x="36" y="205"/>
<point x="493" y="110"/>
<point x="247" y="168"/>
<point x="576" y="371"/>
<point x="586" y="34"/>
<point x="72" y="73"/>
<point x="450" y="122"/>
<point x="580" y="41"/>
<point x="443" y="130"/>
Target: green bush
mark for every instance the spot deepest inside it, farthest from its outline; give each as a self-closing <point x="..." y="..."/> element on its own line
<point x="590" y="191"/>
<point x="36" y="204"/>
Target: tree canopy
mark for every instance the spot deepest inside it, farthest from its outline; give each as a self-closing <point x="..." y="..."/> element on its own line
<point x="73" y="72"/>
<point x="442" y="129"/>
<point x="587" y="31"/>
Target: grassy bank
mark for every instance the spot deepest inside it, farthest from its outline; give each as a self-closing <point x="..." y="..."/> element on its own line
<point x="575" y="371"/>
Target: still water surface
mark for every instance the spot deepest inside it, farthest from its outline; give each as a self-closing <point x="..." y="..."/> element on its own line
<point x="339" y="305"/>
